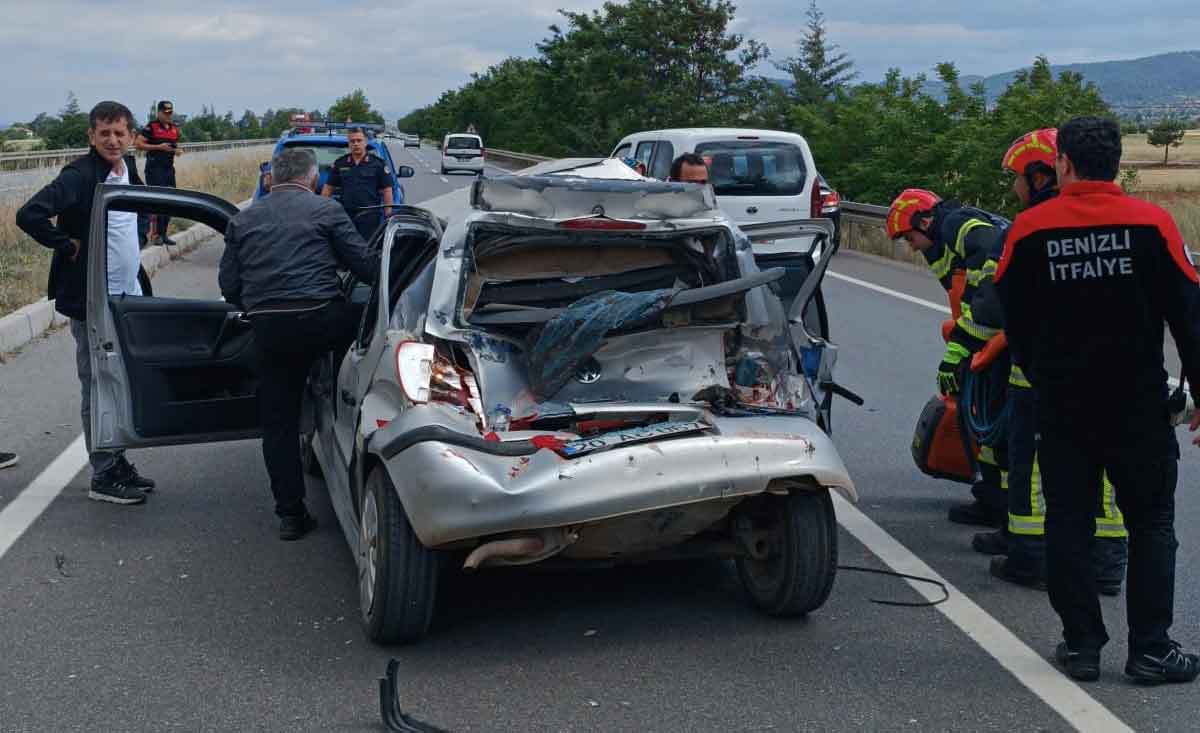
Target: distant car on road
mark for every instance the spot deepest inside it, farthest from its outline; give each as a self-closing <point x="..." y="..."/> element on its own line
<point x="328" y="142"/>
<point x="462" y="151"/>
<point x="412" y="141"/>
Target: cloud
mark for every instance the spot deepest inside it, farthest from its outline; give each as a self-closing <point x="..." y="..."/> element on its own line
<point x="404" y="53"/>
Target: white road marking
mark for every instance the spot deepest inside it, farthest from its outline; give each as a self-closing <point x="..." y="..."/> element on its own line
<point x="444" y="179"/>
<point x="888" y="291"/>
<point x="27" y="506"/>
<point x="1080" y="710"/>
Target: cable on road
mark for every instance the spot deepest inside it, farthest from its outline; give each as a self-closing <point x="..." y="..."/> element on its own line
<point x="894" y="574"/>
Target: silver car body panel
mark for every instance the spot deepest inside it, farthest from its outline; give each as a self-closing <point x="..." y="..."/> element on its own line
<point x="452" y="492"/>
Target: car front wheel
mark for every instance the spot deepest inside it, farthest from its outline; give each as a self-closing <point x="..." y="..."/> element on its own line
<point x="791" y="551"/>
<point x="398" y="576"/>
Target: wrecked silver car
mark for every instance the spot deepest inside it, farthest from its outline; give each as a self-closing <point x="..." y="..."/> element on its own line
<point x="583" y="370"/>
<point x="576" y="368"/>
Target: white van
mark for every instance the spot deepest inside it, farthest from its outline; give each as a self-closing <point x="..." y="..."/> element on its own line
<point x="758" y="175"/>
<point x="462" y="151"/>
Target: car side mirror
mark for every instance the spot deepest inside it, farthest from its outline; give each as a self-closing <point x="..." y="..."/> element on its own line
<point x="405" y="171"/>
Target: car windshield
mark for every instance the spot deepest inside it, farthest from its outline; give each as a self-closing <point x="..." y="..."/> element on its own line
<point x="754" y="167"/>
<point x="326" y="154"/>
<point x="459" y="143"/>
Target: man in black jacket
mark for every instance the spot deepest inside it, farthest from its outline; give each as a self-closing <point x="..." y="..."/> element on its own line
<point x="280" y="266"/>
<point x="1087" y="281"/>
<point x="69" y="197"/>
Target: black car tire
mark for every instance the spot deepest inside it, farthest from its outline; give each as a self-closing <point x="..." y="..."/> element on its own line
<point x="401" y="606"/>
<point x="798" y="574"/>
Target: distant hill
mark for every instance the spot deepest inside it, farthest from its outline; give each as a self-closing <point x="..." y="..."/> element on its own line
<point x="1152" y="86"/>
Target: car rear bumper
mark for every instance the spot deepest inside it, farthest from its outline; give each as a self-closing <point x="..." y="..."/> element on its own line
<point x="458" y="164"/>
<point x="458" y="489"/>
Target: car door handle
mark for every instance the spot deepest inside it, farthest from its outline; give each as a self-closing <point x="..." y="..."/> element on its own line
<point x="751" y="209"/>
<point x="348" y="398"/>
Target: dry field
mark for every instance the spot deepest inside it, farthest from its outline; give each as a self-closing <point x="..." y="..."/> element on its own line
<point x="1135" y="148"/>
<point x="24" y="263"/>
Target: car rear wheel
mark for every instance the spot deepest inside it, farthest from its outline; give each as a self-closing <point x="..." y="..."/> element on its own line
<point x="398" y="576"/>
<point x="791" y="543"/>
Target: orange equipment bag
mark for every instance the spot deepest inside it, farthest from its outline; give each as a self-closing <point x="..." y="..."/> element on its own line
<point x="938" y="444"/>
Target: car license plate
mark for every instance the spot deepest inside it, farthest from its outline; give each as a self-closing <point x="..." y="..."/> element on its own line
<point x="628" y="435"/>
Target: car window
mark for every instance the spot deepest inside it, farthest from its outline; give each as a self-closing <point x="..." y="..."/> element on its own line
<point x="622" y="151"/>
<point x="409" y="312"/>
<point x="663" y="157"/>
<point x="754" y="167"/>
<point x="460" y="143"/>
<point x="645" y="151"/>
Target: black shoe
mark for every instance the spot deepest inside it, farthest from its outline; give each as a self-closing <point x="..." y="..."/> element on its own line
<point x="991" y="543"/>
<point x="1080" y="665"/>
<point x="295" y="527"/>
<point x="1011" y="572"/>
<point x="1174" y="666"/>
<point x="112" y="486"/>
<point x="978" y="514"/>
<point x="130" y="474"/>
<point x="8" y="460"/>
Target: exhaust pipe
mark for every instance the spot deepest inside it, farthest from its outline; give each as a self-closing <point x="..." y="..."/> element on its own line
<point x="509" y="548"/>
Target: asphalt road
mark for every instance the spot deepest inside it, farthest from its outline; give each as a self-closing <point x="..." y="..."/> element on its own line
<point x="187" y="613"/>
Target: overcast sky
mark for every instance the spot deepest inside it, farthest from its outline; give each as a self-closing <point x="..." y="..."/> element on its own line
<point x="404" y="53"/>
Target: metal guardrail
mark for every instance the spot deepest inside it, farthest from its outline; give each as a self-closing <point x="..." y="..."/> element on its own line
<point x="866" y="212"/>
<point x="45" y="158"/>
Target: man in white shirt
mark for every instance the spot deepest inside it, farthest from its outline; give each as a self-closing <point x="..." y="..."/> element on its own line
<point x="58" y="217"/>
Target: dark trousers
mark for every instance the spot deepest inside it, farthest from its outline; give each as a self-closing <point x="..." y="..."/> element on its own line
<point x="288" y="344"/>
<point x="1073" y="456"/>
<point x="366" y="223"/>
<point x="160" y="175"/>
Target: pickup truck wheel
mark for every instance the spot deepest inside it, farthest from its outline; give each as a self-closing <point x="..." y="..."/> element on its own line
<point x="792" y="569"/>
<point x="398" y="576"/>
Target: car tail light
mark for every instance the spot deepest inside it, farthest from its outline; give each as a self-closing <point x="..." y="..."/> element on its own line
<point x="482" y="152"/>
<point x="414" y="370"/>
<point x="426" y="376"/>
<point x="601" y="223"/>
<point x="830" y="201"/>
<point x="815" y="202"/>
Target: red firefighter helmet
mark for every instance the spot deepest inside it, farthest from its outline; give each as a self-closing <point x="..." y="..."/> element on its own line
<point x="908" y="204"/>
<point x="1039" y="146"/>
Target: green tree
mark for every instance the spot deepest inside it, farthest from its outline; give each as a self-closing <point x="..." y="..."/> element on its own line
<point x="249" y="126"/>
<point x="355" y="108"/>
<point x="820" y="69"/>
<point x="71" y="130"/>
<point x="1167" y="133"/>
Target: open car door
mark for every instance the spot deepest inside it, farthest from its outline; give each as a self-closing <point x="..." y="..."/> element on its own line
<point x="165" y="370"/>
<point x="800" y="293"/>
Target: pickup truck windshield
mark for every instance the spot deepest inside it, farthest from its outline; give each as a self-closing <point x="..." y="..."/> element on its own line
<point x="754" y="167"/>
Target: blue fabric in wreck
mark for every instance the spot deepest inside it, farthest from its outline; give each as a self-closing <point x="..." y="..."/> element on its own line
<point x="570" y="338"/>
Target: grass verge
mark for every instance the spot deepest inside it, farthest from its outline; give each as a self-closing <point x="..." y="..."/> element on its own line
<point x="24" y="264"/>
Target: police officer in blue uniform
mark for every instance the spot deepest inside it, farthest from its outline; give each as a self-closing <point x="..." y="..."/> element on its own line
<point x="364" y="180"/>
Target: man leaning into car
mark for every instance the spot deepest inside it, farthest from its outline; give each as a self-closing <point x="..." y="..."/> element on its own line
<point x="280" y="266"/>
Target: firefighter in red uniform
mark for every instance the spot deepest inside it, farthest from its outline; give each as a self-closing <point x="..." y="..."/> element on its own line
<point x="159" y="140"/>
<point x="1087" y="281"/>
<point x="1031" y="161"/>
